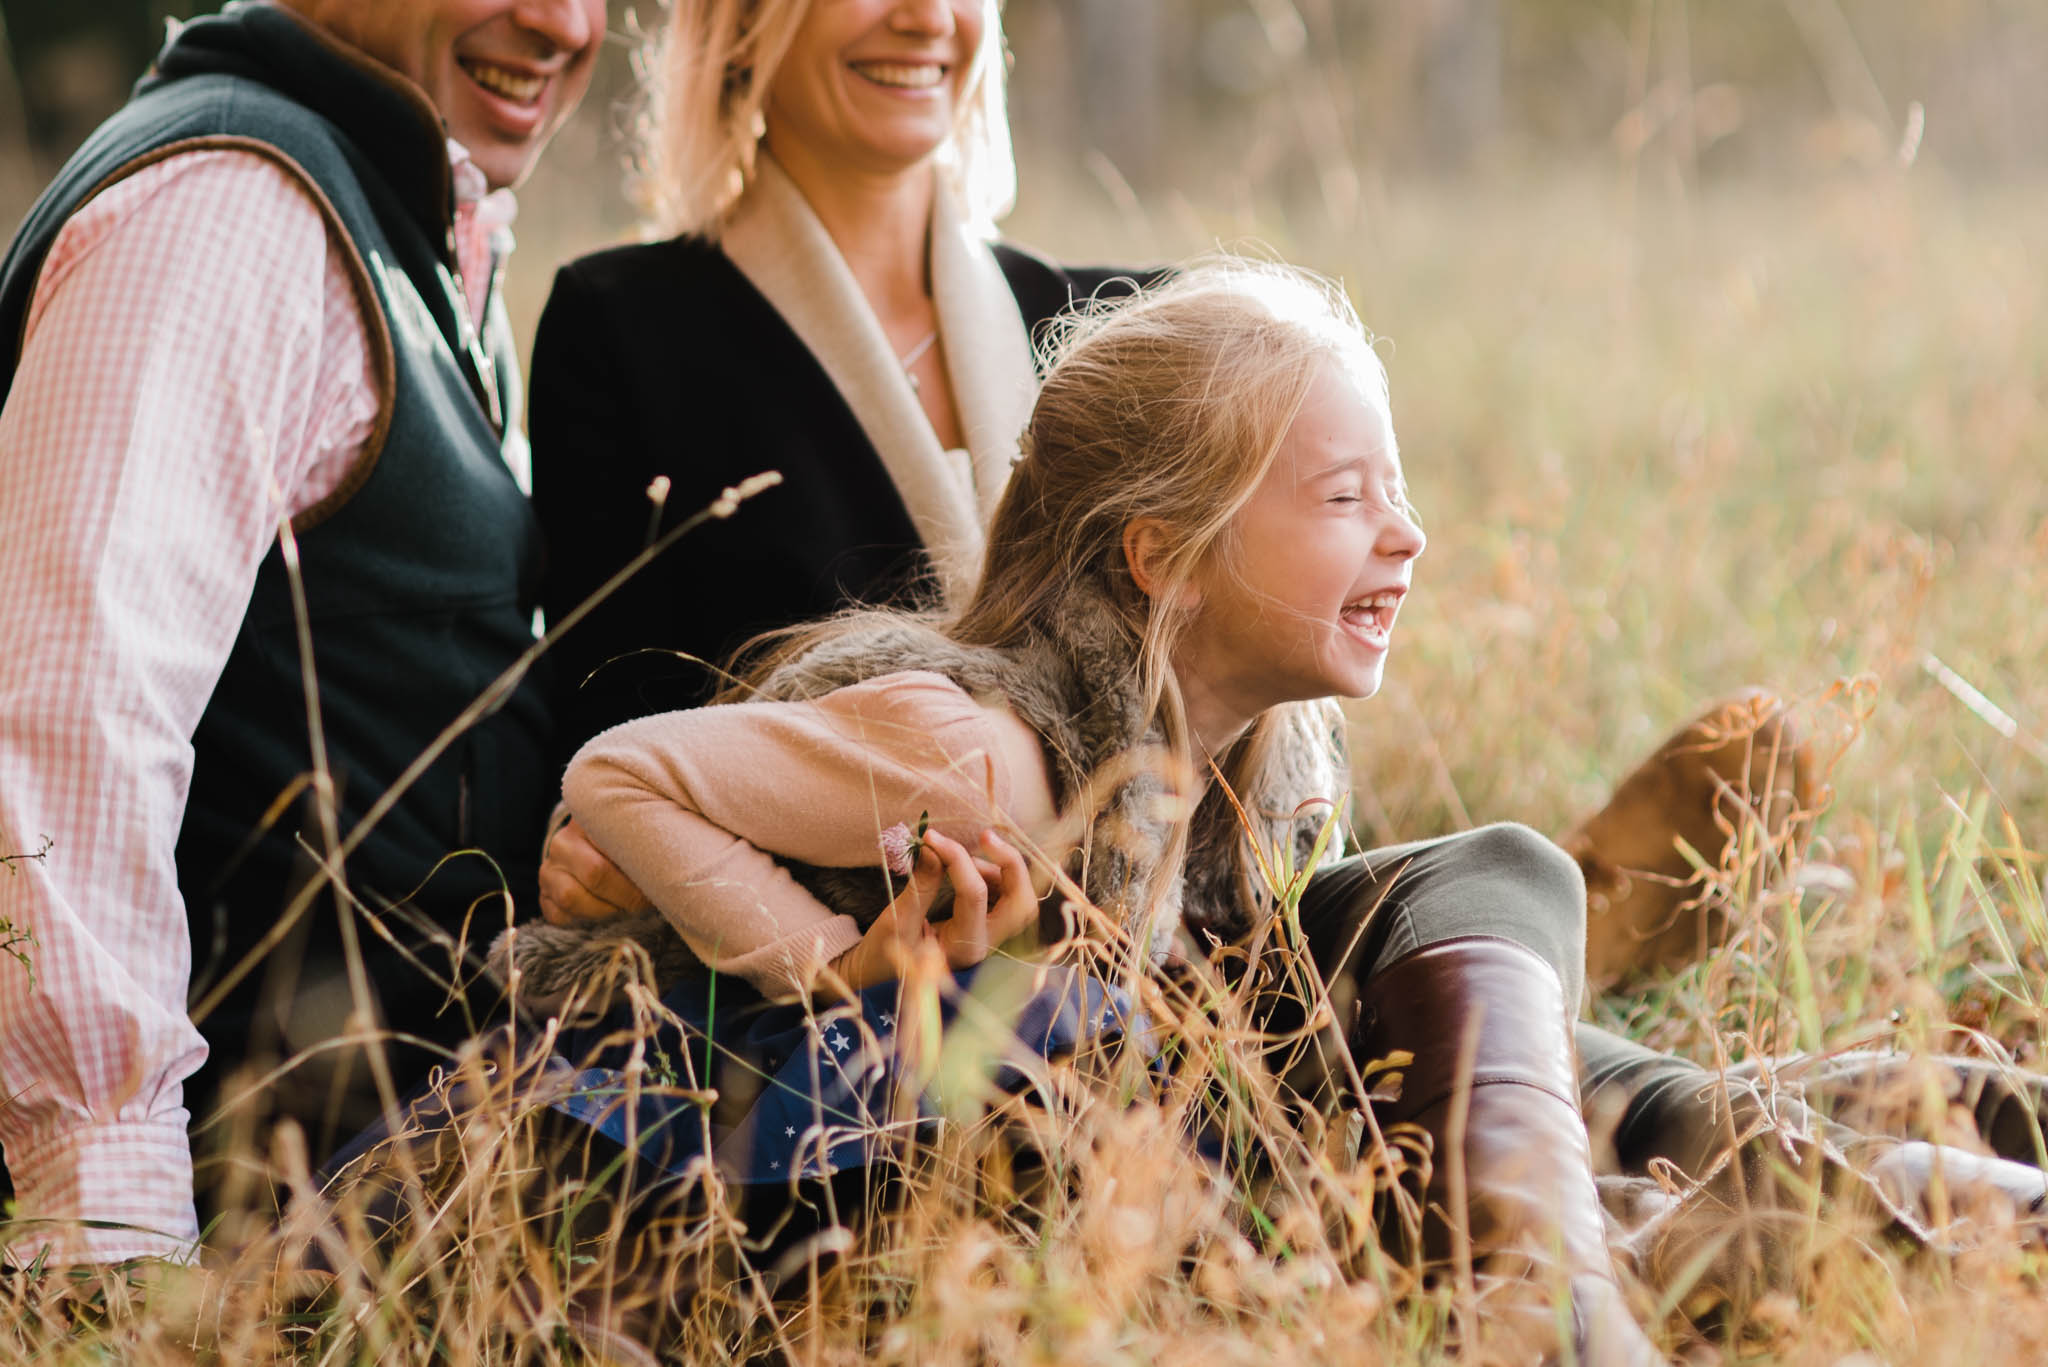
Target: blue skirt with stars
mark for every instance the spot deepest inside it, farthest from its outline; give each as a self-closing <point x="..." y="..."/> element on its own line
<point x="771" y="1091"/>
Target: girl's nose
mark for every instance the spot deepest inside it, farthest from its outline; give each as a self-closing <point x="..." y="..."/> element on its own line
<point x="1401" y="537"/>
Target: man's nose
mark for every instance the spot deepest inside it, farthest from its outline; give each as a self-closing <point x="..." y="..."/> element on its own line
<point x="571" y="25"/>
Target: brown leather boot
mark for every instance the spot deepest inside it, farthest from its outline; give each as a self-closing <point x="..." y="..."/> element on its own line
<point x="1492" y="1064"/>
<point x="1739" y="769"/>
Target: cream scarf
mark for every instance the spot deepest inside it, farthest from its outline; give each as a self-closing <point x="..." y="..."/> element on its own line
<point x="778" y="243"/>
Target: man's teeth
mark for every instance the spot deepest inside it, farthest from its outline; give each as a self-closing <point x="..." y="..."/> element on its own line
<point x="921" y="77"/>
<point x="510" y="84"/>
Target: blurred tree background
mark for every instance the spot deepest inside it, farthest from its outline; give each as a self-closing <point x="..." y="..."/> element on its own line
<point x="1220" y="98"/>
<point x="1309" y="112"/>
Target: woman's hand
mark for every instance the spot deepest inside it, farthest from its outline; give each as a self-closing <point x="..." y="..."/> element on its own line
<point x="979" y="923"/>
<point x="579" y="884"/>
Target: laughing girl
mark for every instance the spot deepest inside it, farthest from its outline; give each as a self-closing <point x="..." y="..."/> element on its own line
<point x="1206" y="540"/>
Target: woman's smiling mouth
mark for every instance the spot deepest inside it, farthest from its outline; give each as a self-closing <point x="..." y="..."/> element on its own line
<point x="902" y="75"/>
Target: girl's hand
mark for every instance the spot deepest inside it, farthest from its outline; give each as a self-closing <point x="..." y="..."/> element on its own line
<point x="980" y="921"/>
<point x="579" y="884"/>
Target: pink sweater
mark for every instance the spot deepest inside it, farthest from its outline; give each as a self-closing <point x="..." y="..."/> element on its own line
<point x="695" y="806"/>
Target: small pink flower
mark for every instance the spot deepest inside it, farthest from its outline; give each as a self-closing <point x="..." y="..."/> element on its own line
<point x="901" y="846"/>
<point x="896" y="850"/>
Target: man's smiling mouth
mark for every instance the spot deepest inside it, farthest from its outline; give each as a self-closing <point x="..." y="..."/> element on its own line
<point x="503" y="82"/>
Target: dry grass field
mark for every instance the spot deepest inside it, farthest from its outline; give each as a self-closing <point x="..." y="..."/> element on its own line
<point x="1668" y="439"/>
<point x="1663" y="447"/>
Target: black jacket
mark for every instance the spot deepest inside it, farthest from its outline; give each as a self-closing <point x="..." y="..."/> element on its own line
<point x="665" y="360"/>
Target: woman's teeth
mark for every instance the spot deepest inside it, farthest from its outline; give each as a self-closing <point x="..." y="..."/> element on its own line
<point x="905" y="77"/>
<point x="509" y="84"/>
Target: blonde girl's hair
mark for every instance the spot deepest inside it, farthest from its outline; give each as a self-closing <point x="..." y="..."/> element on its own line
<point x="705" y="75"/>
<point x="1170" y="405"/>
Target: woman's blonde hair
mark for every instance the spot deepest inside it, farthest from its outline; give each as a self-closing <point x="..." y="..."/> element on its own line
<point x="705" y="77"/>
<point x="1171" y="405"/>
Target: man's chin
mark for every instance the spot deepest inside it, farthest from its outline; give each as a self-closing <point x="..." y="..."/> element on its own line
<point x="504" y="164"/>
<point x="503" y="173"/>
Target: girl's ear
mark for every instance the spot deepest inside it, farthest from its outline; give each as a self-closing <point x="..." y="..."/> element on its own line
<point x="1145" y="544"/>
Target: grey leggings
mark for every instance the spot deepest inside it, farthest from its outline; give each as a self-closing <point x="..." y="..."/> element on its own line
<point x="1507" y="881"/>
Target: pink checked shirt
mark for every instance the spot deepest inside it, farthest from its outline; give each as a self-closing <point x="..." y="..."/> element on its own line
<point x="195" y="370"/>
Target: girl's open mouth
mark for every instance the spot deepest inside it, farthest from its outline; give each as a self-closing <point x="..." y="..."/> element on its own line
<point x="1371" y="618"/>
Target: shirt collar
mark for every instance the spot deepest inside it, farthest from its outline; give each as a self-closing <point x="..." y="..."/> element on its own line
<point x="494" y="209"/>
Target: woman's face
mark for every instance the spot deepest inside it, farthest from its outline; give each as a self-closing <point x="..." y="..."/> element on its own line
<point x="1300" y="601"/>
<point x="874" y="85"/>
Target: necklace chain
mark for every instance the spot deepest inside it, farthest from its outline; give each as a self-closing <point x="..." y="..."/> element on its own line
<point x="916" y="354"/>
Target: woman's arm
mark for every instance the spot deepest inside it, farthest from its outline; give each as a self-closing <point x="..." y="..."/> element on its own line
<point x="695" y="807"/>
<point x="590" y="475"/>
<point x="623" y="403"/>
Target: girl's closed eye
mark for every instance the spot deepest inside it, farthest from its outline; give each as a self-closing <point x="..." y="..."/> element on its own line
<point x="1393" y="497"/>
<point x="1343" y="485"/>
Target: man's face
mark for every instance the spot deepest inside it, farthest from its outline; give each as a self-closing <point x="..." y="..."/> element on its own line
<point x="503" y="73"/>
